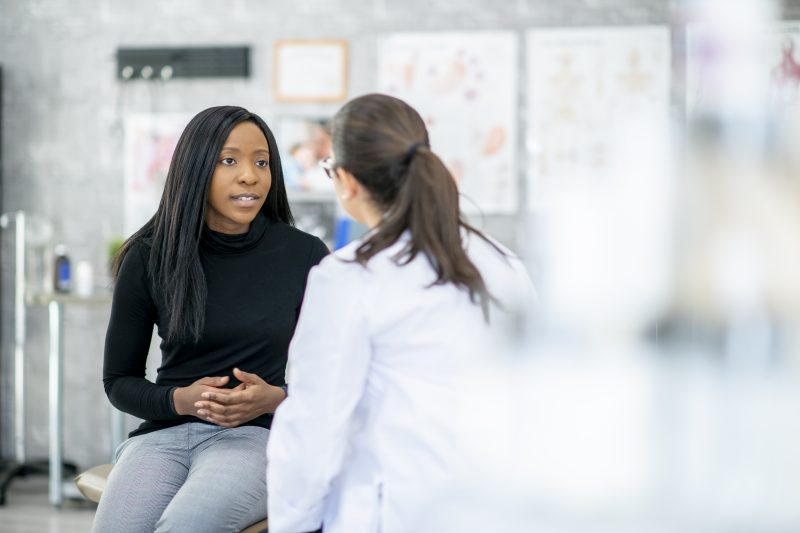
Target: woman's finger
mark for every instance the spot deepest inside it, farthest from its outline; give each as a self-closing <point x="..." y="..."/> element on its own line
<point x="218" y="397"/>
<point x="217" y="409"/>
<point x="247" y="377"/>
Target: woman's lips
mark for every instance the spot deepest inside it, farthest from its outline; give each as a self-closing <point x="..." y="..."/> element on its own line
<point x="245" y="200"/>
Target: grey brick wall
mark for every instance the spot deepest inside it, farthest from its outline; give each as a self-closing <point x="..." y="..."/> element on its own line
<point x="62" y="140"/>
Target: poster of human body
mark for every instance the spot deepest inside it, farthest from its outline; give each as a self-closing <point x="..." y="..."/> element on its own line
<point x="585" y="86"/>
<point x="720" y="75"/>
<point x="784" y="62"/>
<point x="465" y="87"/>
<point x="150" y="141"/>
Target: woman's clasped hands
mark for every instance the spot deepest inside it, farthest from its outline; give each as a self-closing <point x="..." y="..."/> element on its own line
<point x="208" y="399"/>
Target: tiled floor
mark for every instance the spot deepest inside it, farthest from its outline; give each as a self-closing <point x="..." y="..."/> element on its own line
<point x="28" y="511"/>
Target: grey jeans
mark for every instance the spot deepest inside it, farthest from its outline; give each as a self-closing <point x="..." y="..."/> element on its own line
<point x="194" y="477"/>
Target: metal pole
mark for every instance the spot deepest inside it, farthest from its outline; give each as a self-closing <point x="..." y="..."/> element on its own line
<point x="56" y="346"/>
<point x="19" y="338"/>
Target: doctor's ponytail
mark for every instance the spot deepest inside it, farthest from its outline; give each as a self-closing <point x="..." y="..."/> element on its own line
<point x="383" y="142"/>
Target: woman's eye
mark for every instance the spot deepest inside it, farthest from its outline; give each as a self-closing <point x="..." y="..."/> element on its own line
<point x="263" y="163"/>
<point x="228" y="161"/>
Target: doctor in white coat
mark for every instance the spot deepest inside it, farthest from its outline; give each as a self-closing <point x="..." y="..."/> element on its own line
<point x="372" y="429"/>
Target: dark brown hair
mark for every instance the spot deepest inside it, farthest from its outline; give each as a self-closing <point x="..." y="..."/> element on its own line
<point x="382" y="141"/>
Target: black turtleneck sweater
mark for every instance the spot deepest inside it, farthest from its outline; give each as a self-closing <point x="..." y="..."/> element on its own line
<point x="255" y="287"/>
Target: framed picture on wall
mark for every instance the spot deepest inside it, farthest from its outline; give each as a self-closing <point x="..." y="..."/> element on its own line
<point x="310" y="70"/>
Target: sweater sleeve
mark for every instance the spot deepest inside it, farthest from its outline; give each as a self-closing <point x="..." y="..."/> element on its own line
<point x="316" y="253"/>
<point x="130" y="328"/>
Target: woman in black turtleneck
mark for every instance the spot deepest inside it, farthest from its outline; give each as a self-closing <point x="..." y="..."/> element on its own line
<point x="220" y="271"/>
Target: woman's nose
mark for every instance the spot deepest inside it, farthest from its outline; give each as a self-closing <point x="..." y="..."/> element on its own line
<point x="248" y="176"/>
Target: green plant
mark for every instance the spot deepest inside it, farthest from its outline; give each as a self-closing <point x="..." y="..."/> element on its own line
<point x="114" y="244"/>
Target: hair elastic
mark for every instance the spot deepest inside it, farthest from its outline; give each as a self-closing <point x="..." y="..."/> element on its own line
<point x="412" y="149"/>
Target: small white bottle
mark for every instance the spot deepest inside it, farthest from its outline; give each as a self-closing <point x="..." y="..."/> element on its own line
<point x="84" y="279"/>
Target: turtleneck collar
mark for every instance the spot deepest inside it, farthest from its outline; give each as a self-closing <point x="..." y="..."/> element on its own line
<point x="225" y="243"/>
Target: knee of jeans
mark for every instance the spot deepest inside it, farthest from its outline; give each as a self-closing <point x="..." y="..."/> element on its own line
<point x="172" y="520"/>
<point x="176" y="520"/>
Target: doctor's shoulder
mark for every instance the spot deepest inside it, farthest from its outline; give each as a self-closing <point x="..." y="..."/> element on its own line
<point x="504" y="272"/>
<point x="341" y="261"/>
<point x="341" y="266"/>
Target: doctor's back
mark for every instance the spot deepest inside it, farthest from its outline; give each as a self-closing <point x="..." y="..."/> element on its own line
<point x="373" y="428"/>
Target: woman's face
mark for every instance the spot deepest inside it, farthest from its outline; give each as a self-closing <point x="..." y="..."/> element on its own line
<point x="241" y="180"/>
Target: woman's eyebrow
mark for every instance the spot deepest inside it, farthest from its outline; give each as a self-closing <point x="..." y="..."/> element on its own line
<point x="239" y="151"/>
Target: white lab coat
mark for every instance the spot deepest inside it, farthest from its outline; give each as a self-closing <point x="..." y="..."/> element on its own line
<point x="371" y="428"/>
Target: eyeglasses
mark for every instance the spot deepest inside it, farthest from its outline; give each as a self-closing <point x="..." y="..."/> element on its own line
<point x="328" y="166"/>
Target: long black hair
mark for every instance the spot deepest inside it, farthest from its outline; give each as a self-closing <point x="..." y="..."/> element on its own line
<point x="173" y="234"/>
<point x="382" y="141"/>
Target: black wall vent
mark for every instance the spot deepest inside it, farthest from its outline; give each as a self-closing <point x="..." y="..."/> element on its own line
<point x="168" y="63"/>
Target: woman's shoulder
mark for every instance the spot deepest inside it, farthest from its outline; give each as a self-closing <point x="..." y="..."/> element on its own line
<point x="306" y="250"/>
<point x="296" y="235"/>
<point x="340" y="264"/>
<point x="347" y="252"/>
<point x="297" y="238"/>
<point x="142" y="245"/>
<point x="503" y="271"/>
<point x="482" y="243"/>
<point x="135" y="262"/>
<point x="138" y="252"/>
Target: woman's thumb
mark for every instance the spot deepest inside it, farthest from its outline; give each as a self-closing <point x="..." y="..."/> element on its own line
<point x="245" y="377"/>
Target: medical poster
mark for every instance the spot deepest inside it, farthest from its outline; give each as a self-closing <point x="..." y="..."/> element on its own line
<point x="464" y="84"/>
<point x="584" y="88"/>
<point x="784" y="64"/>
<point x="150" y="141"/>
<point x="719" y="69"/>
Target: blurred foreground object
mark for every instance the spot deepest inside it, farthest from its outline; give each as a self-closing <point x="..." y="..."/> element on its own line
<point x="658" y="385"/>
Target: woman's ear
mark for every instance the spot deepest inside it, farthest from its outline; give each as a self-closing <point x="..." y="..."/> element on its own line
<point x="356" y="200"/>
<point x="349" y="186"/>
